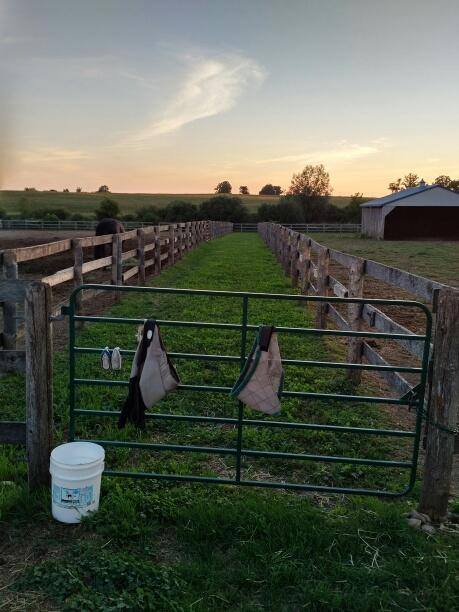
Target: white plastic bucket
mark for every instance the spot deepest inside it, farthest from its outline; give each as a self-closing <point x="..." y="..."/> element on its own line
<point x="76" y="471"/>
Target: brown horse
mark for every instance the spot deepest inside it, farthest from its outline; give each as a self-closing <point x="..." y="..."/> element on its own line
<point x="104" y="227"/>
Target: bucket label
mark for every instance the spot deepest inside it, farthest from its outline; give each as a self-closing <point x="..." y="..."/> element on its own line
<point x="73" y="498"/>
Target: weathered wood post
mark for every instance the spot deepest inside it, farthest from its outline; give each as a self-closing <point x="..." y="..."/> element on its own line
<point x="77" y="271"/>
<point x="117" y="262"/>
<point x="295" y="257"/>
<point x="355" y="290"/>
<point x="157" y="251"/>
<point x="323" y="263"/>
<point x="10" y="272"/>
<point x="171" y="249"/>
<point x="305" y="266"/>
<point x="39" y="382"/>
<point x="141" y="255"/>
<point x="444" y="408"/>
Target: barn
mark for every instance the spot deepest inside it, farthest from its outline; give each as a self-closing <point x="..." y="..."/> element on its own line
<point x="426" y="211"/>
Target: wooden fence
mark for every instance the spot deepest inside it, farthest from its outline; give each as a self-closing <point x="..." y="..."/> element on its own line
<point x="156" y="247"/>
<point x="296" y="252"/>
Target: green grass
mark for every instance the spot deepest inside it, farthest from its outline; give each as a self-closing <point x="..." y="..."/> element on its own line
<point x="86" y="203"/>
<point x="435" y="259"/>
<point x="163" y="546"/>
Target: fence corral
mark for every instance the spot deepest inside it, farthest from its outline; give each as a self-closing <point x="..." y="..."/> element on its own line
<point x="156" y="247"/>
<point x="295" y="252"/>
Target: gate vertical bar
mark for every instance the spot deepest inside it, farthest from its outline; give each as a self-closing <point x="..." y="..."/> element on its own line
<point x="72" y="368"/>
<point x="245" y="308"/>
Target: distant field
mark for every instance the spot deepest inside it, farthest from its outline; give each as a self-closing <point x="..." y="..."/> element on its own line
<point x="86" y="203"/>
<point x="438" y="260"/>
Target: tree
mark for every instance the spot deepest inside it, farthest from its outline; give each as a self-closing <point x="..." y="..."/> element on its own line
<point x="103" y="189"/>
<point x="108" y="209"/>
<point x="244" y="190"/>
<point x="410" y="180"/>
<point x="454" y="186"/>
<point x="352" y="212"/>
<point x="221" y="208"/>
<point x="65" y="190"/>
<point x="395" y="185"/>
<point x="223" y="187"/>
<point x="312" y="183"/>
<point x="269" y="189"/>
<point x="78" y="189"/>
<point x="443" y="180"/>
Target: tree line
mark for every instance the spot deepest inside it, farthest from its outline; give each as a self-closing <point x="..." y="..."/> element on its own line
<point x="412" y="180"/>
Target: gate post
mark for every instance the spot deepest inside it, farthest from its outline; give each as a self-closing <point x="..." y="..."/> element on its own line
<point x="443" y="413"/>
<point x="39" y="382"/>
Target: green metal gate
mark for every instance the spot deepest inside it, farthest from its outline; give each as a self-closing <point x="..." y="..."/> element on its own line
<point x="413" y="400"/>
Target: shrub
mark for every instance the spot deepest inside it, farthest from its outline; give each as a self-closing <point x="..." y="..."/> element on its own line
<point x="222" y="208"/>
<point x="44" y="213"/>
<point x="108" y="209"/>
<point x="179" y="210"/>
<point x="77" y="217"/>
<point x="3" y="214"/>
<point x="128" y="217"/>
<point x="148" y="214"/>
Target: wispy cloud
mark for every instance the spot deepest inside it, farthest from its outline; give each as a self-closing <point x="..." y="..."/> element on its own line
<point x="51" y="154"/>
<point x="342" y="151"/>
<point x="212" y="86"/>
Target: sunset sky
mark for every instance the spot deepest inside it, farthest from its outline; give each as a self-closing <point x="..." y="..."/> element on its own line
<point x="177" y="95"/>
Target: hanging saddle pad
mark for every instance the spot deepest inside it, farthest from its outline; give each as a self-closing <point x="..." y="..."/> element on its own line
<point x="152" y="376"/>
<point x="260" y="382"/>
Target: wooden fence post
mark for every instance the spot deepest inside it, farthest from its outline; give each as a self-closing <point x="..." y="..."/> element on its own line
<point x="39" y="382"/>
<point x="295" y="258"/>
<point x="141" y="255"/>
<point x="77" y="271"/>
<point x="117" y="262"/>
<point x="322" y="287"/>
<point x="171" y="254"/>
<point x="305" y="259"/>
<point x="10" y="272"/>
<point x="157" y="267"/>
<point x="355" y="290"/>
<point x="443" y="412"/>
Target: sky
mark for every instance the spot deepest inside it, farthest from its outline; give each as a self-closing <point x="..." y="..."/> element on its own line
<point x="173" y="96"/>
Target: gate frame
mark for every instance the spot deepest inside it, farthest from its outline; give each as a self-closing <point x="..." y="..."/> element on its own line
<point x="413" y="399"/>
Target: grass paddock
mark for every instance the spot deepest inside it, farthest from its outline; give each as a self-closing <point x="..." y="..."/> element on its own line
<point x="166" y="546"/>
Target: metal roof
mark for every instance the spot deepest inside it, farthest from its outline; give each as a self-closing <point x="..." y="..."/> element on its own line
<point x="400" y="195"/>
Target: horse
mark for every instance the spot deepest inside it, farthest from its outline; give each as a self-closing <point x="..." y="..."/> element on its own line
<point x="104" y="227"/>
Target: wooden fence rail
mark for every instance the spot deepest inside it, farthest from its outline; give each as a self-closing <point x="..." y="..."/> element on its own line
<point x="294" y="251"/>
<point x="164" y="244"/>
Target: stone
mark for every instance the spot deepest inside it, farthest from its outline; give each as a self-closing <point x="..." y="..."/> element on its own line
<point x="428" y="528"/>
<point x="415" y="523"/>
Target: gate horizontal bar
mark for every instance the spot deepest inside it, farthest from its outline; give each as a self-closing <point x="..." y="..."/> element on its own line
<point x="237" y="326"/>
<point x="253" y="422"/>
<point x="257" y="483"/>
<point x="252" y="295"/>
<point x="298" y="394"/>
<point x="293" y="362"/>
<point x="218" y="450"/>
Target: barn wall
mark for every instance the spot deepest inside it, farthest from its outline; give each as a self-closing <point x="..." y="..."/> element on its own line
<point x="372" y="222"/>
